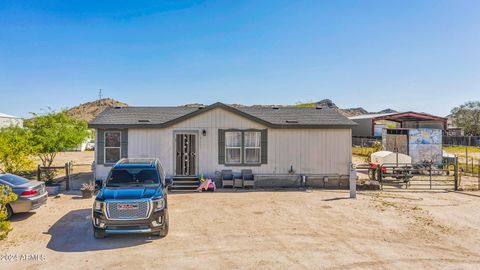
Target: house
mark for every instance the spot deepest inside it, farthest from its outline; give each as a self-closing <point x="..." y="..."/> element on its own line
<point x="371" y="125"/>
<point x="7" y="120"/>
<point x="274" y="142"/>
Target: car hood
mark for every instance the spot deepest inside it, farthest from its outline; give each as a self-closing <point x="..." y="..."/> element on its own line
<point x="124" y="193"/>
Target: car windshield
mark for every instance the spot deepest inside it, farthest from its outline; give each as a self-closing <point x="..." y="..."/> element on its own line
<point x="13" y="179"/>
<point x="132" y="177"/>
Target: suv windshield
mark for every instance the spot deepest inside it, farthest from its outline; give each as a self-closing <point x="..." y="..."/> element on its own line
<point x="133" y="177"/>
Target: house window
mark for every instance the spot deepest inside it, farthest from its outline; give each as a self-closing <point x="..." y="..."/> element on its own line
<point x="112" y="146"/>
<point x="233" y="147"/>
<point x="252" y="147"/>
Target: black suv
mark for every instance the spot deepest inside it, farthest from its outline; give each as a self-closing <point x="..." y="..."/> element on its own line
<point x="133" y="199"/>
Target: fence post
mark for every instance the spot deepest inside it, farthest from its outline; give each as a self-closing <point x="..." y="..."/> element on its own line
<point x="466" y="158"/>
<point x="67" y="175"/>
<point x="456" y="173"/>
<point x="473" y="167"/>
<point x="353" y="181"/>
<point x="430" y="173"/>
<point x="39" y="172"/>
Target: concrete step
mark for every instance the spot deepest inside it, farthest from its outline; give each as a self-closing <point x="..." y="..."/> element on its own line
<point x="184" y="188"/>
<point x="187" y="182"/>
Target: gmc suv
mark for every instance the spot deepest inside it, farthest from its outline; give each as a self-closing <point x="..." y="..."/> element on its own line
<point x="133" y="199"/>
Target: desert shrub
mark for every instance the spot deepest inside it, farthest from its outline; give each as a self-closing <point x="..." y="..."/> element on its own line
<point x="362" y="151"/>
<point x="15" y="150"/>
<point x="367" y="151"/>
<point x="6" y="196"/>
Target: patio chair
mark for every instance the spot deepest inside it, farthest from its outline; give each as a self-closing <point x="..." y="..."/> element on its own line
<point x="227" y="178"/>
<point x="247" y="177"/>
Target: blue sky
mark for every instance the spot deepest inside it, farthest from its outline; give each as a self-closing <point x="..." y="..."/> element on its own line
<point x="407" y="55"/>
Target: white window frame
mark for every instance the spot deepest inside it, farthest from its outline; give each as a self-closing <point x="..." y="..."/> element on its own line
<point x="252" y="147"/>
<point x="234" y="147"/>
<point x="111" y="147"/>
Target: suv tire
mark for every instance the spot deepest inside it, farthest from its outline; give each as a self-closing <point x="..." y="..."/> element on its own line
<point x="164" y="231"/>
<point x="98" y="234"/>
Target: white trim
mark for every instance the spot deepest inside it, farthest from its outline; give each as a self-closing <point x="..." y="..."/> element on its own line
<point x="105" y="146"/>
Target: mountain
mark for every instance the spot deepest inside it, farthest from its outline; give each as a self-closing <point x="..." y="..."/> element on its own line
<point x="348" y="112"/>
<point x="326" y="103"/>
<point x="387" y="111"/>
<point x="89" y="110"/>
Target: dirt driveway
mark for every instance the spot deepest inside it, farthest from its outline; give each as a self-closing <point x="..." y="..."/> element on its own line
<point x="275" y="230"/>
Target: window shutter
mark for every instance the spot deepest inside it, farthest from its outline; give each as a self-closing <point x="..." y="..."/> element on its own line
<point x="264" y="144"/>
<point x="100" y="148"/>
<point x="124" y="143"/>
<point x="221" y="146"/>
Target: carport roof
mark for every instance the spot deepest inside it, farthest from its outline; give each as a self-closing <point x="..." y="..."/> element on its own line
<point x="274" y="117"/>
<point x="410" y="116"/>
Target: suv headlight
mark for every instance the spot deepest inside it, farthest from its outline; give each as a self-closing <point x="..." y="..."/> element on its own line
<point x="158" y="204"/>
<point x="97" y="206"/>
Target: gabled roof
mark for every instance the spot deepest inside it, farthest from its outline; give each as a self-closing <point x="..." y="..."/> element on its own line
<point x="160" y="117"/>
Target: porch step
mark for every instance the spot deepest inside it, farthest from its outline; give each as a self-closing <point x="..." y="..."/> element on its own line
<point x="185" y="183"/>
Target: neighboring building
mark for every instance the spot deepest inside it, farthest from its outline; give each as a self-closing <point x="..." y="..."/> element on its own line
<point x="367" y="127"/>
<point x="10" y="120"/>
<point x="371" y="125"/>
<point x="206" y="140"/>
<point x="452" y="129"/>
<point x="423" y="145"/>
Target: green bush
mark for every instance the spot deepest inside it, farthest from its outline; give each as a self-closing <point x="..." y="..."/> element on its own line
<point x="15" y="150"/>
<point x="6" y="196"/>
<point x="55" y="132"/>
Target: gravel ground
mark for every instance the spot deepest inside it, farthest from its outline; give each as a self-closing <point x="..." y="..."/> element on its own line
<point x="300" y="229"/>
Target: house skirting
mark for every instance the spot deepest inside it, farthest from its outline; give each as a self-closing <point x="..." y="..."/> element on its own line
<point x="298" y="181"/>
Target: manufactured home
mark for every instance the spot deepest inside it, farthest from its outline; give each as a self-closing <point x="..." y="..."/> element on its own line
<point x="7" y="120"/>
<point x="275" y="143"/>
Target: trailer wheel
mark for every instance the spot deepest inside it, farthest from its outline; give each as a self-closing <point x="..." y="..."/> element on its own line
<point x="379" y="174"/>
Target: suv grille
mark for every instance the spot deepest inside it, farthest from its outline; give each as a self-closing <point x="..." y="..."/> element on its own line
<point x="128" y="210"/>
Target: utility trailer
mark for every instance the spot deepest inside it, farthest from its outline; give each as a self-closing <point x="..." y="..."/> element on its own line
<point x="390" y="164"/>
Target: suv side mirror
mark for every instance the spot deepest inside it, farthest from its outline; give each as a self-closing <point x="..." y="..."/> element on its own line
<point x="98" y="184"/>
<point x="169" y="182"/>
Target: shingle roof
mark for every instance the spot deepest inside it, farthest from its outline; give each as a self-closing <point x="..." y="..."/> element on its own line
<point x="283" y="117"/>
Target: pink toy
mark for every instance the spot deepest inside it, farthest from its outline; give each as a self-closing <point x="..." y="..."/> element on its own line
<point x="207" y="185"/>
